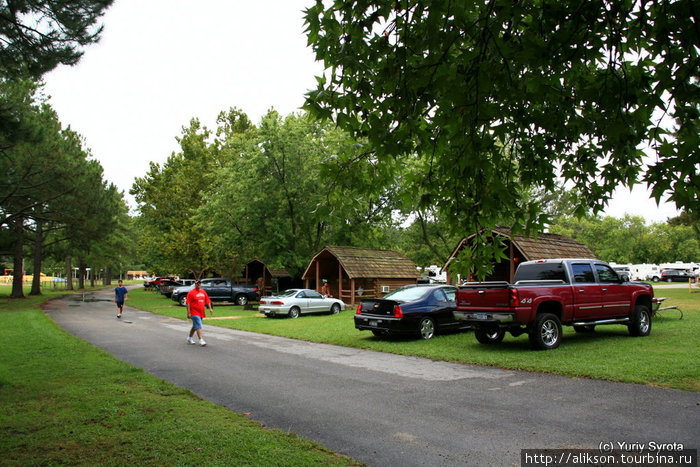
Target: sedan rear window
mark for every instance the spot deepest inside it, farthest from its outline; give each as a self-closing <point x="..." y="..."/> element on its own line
<point x="407" y="294"/>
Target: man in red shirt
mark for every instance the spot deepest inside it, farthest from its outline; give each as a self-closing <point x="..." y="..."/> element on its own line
<point x="197" y="301"/>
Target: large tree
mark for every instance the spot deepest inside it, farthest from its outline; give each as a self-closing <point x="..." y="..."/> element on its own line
<point x="499" y="97"/>
<point x="38" y="35"/>
<point x="168" y="196"/>
<point x="282" y="196"/>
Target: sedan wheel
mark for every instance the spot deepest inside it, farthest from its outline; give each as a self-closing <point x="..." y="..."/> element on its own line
<point x="335" y="309"/>
<point x="426" y="328"/>
<point x="183" y="300"/>
<point x="294" y="312"/>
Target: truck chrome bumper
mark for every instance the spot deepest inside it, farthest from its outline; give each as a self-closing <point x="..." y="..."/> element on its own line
<point x="486" y="316"/>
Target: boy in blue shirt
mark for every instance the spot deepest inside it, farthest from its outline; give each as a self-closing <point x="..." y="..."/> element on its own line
<point x="120" y="293"/>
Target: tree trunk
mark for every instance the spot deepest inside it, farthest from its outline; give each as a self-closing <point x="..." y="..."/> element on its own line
<point x="38" y="257"/>
<point x="81" y="273"/>
<point x="18" y="273"/>
<point x="69" y="273"/>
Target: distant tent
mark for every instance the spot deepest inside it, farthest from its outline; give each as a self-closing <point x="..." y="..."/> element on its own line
<point x="521" y="248"/>
<point x="353" y="273"/>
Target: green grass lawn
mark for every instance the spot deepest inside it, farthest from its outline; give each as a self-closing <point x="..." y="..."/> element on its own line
<point x="667" y="358"/>
<point x="65" y="402"/>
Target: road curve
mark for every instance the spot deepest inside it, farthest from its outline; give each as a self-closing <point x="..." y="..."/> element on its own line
<point x="383" y="409"/>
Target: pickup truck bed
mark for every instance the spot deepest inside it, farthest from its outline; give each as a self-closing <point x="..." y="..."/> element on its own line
<point x="547" y="294"/>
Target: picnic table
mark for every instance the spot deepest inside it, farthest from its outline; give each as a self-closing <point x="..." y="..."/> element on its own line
<point x="656" y="307"/>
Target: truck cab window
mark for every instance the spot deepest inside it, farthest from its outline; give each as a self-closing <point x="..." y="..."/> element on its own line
<point x="582" y="273"/>
<point x="607" y="274"/>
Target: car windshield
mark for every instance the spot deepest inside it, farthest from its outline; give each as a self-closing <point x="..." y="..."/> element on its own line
<point x="406" y="295"/>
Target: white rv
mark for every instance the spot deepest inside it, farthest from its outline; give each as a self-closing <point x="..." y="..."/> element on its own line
<point x="645" y="272"/>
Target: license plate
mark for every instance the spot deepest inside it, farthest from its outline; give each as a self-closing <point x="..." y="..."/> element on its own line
<point x="374" y="324"/>
<point x="482" y="316"/>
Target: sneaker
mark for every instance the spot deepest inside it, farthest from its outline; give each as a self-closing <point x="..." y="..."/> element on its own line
<point x="202" y="343"/>
<point x="190" y="341"/>
<point x="119" y="315"/>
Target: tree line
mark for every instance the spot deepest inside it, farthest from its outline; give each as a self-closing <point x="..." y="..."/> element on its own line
<point x="283" y="189"/>
<point x="54" y="201"/>
<point x="278" y="191"/>
<point x="432" y="121"/>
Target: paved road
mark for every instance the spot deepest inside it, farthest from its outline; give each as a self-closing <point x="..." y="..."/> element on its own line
<point x="382" y="409"/>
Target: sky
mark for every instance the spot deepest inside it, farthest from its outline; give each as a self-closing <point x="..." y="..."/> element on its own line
<point x="161" y="63"/>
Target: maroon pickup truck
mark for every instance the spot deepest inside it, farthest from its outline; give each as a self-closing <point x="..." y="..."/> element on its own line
<point x="582" y="293"/>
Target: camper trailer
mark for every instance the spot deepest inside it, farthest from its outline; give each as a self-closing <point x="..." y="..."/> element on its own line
<point x="645" y="272"/>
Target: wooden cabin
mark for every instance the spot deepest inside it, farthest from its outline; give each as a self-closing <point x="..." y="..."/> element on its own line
<point x="521" y="248"/>
<point x="269" y="280"/>
<point x="353" y="273"/>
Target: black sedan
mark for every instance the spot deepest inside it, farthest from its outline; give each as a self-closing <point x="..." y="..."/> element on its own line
<point x="420" y="310"/>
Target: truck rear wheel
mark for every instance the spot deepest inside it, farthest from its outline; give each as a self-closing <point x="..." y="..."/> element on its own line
<point x="640" y="321"/>
<point x="546" y="332"/>
<point x="241" y="300"/>
<point x="489" y="335"/>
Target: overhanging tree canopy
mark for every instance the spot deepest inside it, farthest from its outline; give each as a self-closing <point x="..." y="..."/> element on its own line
<point x="496" y="97"/>
<point x="38" y="35"/>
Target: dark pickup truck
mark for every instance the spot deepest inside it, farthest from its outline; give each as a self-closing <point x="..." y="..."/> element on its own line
<point x="582" y="293"/>
<point x="219" y="290"/>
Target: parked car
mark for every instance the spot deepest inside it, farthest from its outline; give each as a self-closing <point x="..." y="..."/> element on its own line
<point x="154" y="283"/>
<point x="168" y="286"/>
<point x="674" y="275"/>
<point x="219" y="290"/>
<point x="295" y="302"/>
<point x="421" y="310"/>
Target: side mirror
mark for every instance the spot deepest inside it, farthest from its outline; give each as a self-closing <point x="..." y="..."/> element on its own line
<point x="624" y="278"/>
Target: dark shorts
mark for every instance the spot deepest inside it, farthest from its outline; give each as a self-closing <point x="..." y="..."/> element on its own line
<point x="120" y="304"/>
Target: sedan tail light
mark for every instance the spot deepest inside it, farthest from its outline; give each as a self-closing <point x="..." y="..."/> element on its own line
<point x="398" y="312"/>
<point x="359" y="309"/>
<point x="277" y="302"/>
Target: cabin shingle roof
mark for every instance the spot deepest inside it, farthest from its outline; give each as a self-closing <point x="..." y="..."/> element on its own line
<point x="547" y="246"/>
<point x="369" y="263"/>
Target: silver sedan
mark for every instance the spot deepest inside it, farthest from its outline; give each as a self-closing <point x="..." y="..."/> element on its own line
<point x="294" y="302"/>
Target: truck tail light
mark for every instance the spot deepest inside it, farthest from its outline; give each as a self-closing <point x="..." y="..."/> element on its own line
<point x="514" y="298"/>
<point x="398" y="312"/>
<point x="359" y="309"/>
